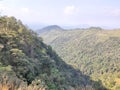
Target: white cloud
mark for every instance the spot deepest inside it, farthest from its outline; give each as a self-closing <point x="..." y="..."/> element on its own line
<point x="115" y="12"/>
<point x="2" y="7"/>
<point x="25" y="10"/>
<point x="111" y="11"/>
<point x="70" y="10"/>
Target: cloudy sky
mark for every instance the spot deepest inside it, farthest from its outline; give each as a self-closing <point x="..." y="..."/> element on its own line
<point x="64" y="12"/>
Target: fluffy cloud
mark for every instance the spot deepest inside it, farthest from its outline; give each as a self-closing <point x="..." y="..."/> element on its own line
<point x="70" y="10"/>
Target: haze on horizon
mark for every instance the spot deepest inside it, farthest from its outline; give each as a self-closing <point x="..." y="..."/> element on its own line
<point x="105" y="13"/>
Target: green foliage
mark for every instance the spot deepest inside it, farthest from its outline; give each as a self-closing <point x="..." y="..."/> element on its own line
<point x="93" y="51"/>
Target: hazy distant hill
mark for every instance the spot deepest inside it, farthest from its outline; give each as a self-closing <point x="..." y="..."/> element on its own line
<point x="94" y="51"/>
<point x="49" y="28"/>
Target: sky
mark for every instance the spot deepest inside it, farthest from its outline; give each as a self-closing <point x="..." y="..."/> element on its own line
<point x="104" y="13"/>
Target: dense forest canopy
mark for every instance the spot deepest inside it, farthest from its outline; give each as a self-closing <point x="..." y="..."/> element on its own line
<point x="94" y="51"/>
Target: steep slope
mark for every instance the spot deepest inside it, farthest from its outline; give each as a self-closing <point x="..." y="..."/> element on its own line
<point x="26" y="63"/>
<point x="95" y="52"/>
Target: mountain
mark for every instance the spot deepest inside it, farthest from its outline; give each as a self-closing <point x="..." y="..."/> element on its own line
<point x="26" y="63"/>
<point x="49" y="28"/>
<point x="94" y="51"/>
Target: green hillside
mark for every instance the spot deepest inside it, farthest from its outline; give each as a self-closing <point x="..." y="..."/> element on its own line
<point x="93" y="51"/>
<point x="26" y="63"/>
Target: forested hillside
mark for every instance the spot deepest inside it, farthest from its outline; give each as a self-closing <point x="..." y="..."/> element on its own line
<point x="93" y="51"/>
<point x="26" y="63"/>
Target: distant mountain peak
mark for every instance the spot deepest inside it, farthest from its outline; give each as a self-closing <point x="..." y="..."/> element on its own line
<point x="49" y="28"/>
